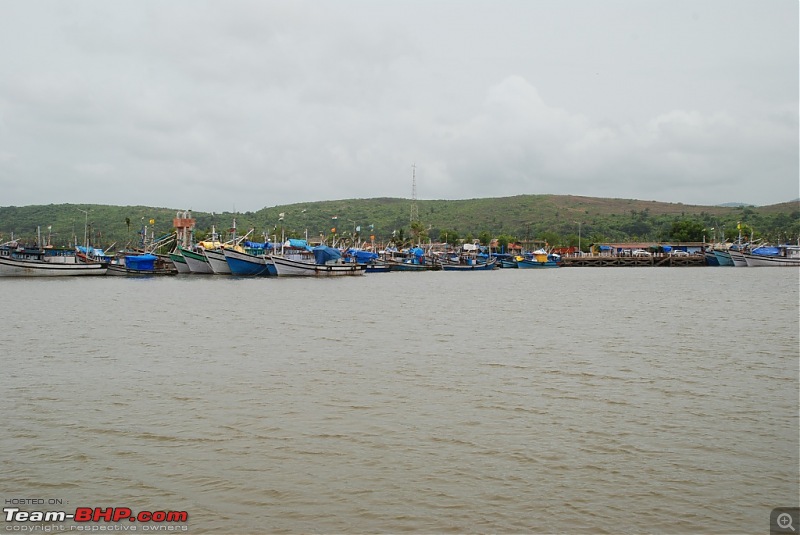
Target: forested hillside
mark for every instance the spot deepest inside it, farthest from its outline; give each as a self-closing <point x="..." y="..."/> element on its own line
<point x="557" y="219"/>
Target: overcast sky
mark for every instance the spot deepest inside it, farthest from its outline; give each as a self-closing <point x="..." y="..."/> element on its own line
<point x="233" y="104"/>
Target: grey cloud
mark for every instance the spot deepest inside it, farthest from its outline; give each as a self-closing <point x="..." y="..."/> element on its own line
<point x="210" y="105"/>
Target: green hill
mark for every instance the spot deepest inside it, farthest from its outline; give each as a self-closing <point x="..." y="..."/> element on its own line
<point x="555" y="218"/>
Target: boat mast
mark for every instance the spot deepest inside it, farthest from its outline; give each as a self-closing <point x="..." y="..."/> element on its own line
<point x="85" y="228"/>
<point x="414" y="212"/>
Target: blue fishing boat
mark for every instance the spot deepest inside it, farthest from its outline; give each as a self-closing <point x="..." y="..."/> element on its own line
<point x="505" y="260"/>
<point x="540" y="259"/>
<point x="251" y="262"/>
<point x="723" y="257"/>
<point x="711" y="258"/>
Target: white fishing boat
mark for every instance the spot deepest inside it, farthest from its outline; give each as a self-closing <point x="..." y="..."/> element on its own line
<point x="196" y="261"/>
<point x="287" y="267"/>
<point x="737" y="257"/>
<point x="179" y="261"/>
<point x="779" y="256"/>
<point x="213" y="250"/>
<point x="18" y="261"/>
<point x="325" y="262"/>
<point x="216" y="259"/>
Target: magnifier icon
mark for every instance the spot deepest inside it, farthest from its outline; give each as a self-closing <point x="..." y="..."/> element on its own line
<point x="785" y="521"/>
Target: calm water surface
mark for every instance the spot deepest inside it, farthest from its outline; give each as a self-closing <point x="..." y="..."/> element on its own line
<point x="605" y="400"/>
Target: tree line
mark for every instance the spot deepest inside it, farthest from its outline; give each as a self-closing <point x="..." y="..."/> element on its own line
<point x="561" y="221"/>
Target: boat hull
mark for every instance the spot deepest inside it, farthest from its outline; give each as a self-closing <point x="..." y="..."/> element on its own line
<point x="197" y="262"/>
<point x="179" y="262"/>
<point x="13" y="267"/>
<point x="737" y="257"/>
<point x="724" y="258"/>
<point x="377" y="267"/>
<point x="246" y="265"/>
<point x="711" y="258"/>
<point x="533" y="264"/>
<point x="118" y="270"/>
<point x="754" y="260"/>
<point x="487" y="266"/>
<point x="287" y="267"/>
<point x="409" y="266"/>
<point x="216" y="259"/>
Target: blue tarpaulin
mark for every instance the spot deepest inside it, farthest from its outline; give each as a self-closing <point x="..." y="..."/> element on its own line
<point x="362" y="257"/>
<point x="323" y="254"/>
<point x="298" y="244"/>
<point x="142" y="262"/>
<point x="91" y="251"/>
<point x="767" y="251"/>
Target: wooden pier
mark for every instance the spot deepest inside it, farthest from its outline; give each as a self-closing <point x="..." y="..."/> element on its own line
<point x="633" y="261"/>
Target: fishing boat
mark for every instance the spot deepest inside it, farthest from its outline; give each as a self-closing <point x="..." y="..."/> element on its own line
<point x="411" y="265"/>
<point x="377" y="266"/>
<point x="213" y="250"/>
<point x="179" y="261"/>
<point x="505" y="260"/>
<point x="327" y="262"/>
<point x="216" y="259"/>
<point x="127" y="263"/>
<point x="711" y="258"/>
<point x="371" y="261"/>
<point x="470" y="257"/>
<point x="736" y="252"/>
<point x="413" y="259"/>
<point x="723" y="257"/>
<point x="539" y="259"/>
<point x="195" y="260"/>
<point x="737" y="257"/>
<point x="146" y="264"/>
<point x="489" y="265"/>
<point x="251" y="261"/>
<point x="18" y="261"/>
<point x="778" y="256"/>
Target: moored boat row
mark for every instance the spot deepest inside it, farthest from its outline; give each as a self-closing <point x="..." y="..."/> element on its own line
<point x="757" y="256"/>
<point x="297" y="258"/>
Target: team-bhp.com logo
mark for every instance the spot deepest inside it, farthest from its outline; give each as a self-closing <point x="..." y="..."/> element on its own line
<point x="87" y="515"/>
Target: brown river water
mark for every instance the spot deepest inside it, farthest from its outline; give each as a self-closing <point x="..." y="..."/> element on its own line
<point x="595" y="400"/>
